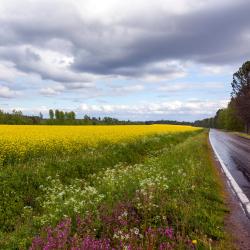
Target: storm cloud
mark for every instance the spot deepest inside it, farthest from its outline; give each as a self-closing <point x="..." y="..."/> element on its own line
<point x="134" y="45"/>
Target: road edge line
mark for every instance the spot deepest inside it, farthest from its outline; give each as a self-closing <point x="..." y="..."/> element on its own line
<point x="236" y="188"/>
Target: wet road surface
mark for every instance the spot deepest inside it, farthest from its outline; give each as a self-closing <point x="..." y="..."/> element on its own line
<point x="235" y="153"/>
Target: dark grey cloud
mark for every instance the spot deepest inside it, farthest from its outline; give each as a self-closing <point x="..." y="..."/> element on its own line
<point x="28" y="61"/>
<point x="210" y="36"/>
<point x="133" y="46"/>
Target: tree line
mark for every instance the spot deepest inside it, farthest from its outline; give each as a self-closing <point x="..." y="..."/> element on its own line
<point x="59" y="117"/>
<point x="236" y="116"/>
<point x="172" y="122"/>
<point x="17" y="117"/>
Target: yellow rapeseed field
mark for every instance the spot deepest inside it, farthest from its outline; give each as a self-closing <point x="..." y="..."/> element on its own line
<point x="21" y="142"/>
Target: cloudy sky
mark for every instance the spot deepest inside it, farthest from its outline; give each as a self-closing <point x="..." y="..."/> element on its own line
<point x="133" y="59"/>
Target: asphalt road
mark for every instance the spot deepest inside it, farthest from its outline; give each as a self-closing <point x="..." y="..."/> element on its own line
<point x="235" y="153"/>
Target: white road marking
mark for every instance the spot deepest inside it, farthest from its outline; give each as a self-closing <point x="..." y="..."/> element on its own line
<point x="238" y="191"/>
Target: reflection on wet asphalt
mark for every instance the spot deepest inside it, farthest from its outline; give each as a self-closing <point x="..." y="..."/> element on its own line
<point x="235" y="153"/>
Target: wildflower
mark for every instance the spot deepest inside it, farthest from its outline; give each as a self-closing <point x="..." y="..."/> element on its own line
<point x="169" y="233"/>
<point x="125" y="213"/>
<point x="194" y="242"/>
<point x="115" y="236"/>
<point x="136" y="231"/>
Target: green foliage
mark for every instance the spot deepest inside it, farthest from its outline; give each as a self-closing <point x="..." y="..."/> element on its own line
<point x="232" y="122"/>
<point x="241" y="80"/>
<point x="228" y="119"/>
<point x="241" y="93"/>
<point x="51" y="114"/>
<point x="18" y="189"/>
<point x="16" y="117"/>
<point x="220" y="118"/>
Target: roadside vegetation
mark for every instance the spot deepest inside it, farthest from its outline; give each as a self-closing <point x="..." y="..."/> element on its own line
<point x="242" y="135"/>
<point x="156" y="191"/>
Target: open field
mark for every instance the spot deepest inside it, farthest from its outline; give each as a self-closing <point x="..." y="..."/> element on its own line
<point x="21" y="143"/>
<point x="140" y="187"/>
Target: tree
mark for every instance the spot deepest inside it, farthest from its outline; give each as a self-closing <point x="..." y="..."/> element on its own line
<point x="1" y="115"/>
<point x="220" y="119"/>
<point x="241" y="93"/>
<point x="232" y="122"/>
<point x="73" y="115"/>
<point x="86" y="119"/>
<point x="51" y="114"/>
<point x="57" y="114"/>
<point x="70" y="115"/>
<point x="67" y="116"/>
<point x="17" y="112"/>
<point x="61" y="115"/>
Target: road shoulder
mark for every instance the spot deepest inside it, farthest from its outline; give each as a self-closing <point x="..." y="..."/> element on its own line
<point x="237" y="225"/>
<point x="242" y="135"/>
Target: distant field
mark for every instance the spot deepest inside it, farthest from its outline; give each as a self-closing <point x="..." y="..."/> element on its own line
<point x="109" y="187"/>
<point x="24" y="142"/>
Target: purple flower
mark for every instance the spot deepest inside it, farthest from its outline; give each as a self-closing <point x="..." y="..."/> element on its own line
<point x="169" y="233"/>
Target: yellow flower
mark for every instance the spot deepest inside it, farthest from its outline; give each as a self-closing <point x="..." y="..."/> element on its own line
<point x="20" y="142"/>
<point x="194" y="242"/>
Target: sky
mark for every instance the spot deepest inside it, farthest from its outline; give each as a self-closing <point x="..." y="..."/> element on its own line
<point x="133" y="59"/>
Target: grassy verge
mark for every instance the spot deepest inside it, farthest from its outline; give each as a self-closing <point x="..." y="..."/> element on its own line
<point x="160" y="192"/>
<point x="242" y="134"/>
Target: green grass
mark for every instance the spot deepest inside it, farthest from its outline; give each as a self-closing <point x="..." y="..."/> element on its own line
<point x="175" y="171"/>
<point x="242" y="134"/>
